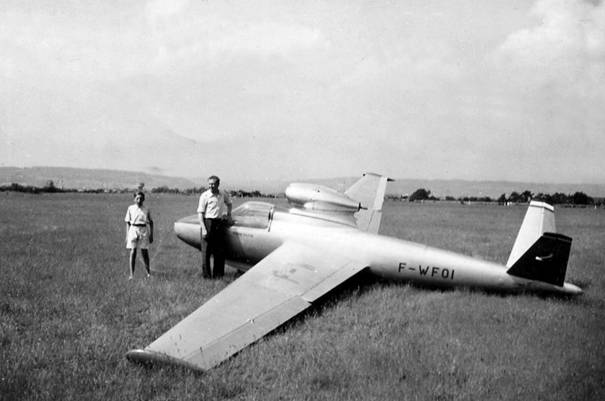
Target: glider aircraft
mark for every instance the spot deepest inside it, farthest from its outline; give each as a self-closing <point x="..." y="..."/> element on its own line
<point x="291" y="258"/>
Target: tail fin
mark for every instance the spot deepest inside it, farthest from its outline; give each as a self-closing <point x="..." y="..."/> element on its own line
<point x="540" y="218"/>
<point x="369" y="192"/>
<point x="545" y="261"/>
<point x="539" y="253"/>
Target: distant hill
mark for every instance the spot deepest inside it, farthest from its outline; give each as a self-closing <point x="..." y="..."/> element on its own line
<point x="115" y="179"/>
<point x="76" y="178"/>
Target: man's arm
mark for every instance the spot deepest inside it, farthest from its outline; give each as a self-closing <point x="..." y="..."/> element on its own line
<point x="150" y="222"/>
<point x="201" y="209"/>
<point x="204" y="231"/>
<point x="127" y="221"/>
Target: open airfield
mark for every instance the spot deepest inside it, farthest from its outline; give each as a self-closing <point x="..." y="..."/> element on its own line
<point x="68" y="314"/>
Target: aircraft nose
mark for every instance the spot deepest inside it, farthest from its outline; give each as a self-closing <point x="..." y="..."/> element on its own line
<point x="187" y="230"/>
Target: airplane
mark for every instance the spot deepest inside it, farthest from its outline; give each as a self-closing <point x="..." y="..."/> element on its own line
<point x="293" y="257"/>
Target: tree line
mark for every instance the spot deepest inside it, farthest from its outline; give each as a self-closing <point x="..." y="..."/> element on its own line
<point x="558" y="198"/>
<point x="421" y="194"/>
<point x="50" y="187"/>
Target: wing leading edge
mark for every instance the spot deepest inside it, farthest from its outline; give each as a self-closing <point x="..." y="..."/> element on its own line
<point x="279" y="287"/>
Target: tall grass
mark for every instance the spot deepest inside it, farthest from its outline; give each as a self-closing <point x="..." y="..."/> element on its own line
<point x="68" y="314"/>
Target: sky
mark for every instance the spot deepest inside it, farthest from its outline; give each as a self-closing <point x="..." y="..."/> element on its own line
<point x="433" y="89"/>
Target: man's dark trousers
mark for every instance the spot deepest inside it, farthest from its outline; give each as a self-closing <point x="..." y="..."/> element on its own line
<point x="213" y="245"/>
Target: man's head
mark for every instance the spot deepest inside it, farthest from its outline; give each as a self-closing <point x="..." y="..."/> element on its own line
<point x="213" y="183"/>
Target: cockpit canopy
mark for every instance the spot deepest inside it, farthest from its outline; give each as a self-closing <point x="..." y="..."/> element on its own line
<point x="253" y="215"/>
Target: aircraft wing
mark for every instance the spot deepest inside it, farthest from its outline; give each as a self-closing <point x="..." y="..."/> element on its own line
<point x="276" y="289"/>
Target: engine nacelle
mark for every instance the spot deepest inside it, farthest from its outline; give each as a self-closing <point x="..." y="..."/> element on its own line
<point x="320" y="198"/>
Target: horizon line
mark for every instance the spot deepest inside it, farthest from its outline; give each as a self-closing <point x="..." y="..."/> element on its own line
<point x="197" y="178"/>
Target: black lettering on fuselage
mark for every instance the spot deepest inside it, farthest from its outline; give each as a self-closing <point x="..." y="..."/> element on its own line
<point x="436" y="271"/>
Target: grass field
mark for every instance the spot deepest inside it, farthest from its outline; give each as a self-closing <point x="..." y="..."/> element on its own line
<point x="68" y="315"/>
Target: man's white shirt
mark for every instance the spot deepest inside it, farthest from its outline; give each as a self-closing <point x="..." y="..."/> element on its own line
<point x="211" y="205"/>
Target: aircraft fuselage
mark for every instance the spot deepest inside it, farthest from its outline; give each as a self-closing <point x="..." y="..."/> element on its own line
<point x="386" y="257"/>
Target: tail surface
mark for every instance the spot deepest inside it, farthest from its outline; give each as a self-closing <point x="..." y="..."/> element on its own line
<point x="539" y="253"/>
<point x="546" y="260"/>
<point x="539" y="218"/>
<point x="369" y="192"/>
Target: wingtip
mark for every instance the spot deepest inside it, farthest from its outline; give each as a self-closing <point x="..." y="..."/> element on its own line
<point x="573" y="289"/>
<point x="389" y="179"/>
<point x="543" y="205"/>
<point x="147" y="357"/>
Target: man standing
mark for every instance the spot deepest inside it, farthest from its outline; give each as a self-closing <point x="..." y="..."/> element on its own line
<point x="210" y="212"/>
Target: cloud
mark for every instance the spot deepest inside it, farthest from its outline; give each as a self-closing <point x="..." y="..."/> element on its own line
<point x="203" y="39"/>
<point x="43" y="44"/>
<point x="422" y="89"/>
<point x="565" y="48"/>
<point x="162" y="38"/>
<point x="157" y="10"/>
